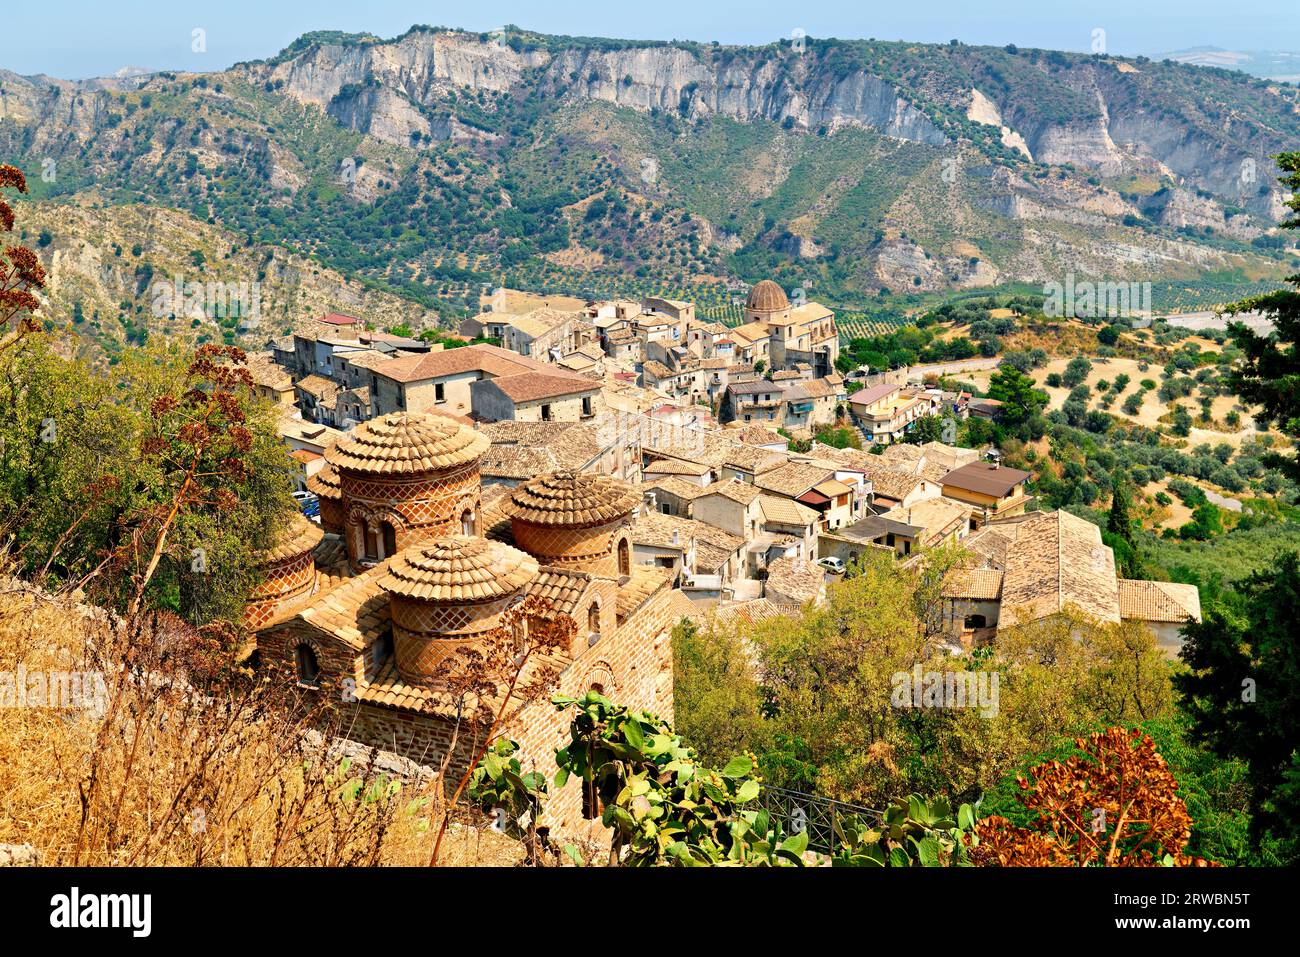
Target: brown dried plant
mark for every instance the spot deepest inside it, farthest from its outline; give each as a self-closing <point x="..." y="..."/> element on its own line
<point x="1116" y="805"/>
<point x="161" y="773"/>
<point x="20" y="271"/>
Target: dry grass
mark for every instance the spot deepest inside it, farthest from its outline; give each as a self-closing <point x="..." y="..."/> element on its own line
<point x="159" y="774"/>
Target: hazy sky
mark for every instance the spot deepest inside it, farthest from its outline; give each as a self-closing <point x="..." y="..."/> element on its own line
<point x="96" y="37"/>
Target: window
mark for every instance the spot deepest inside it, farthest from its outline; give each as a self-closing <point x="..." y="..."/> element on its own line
<point x="624" y="558"/>
<point x="439" y="392"/>
<point x="308" y="668"/>
<point x="586" y="405"/>
<point x="663" y="507"/>
<point x="467" y="522"/>
<point x="593" y="623"/>
<point x="382" y="649"/>
<point x="390" y="539"/>
<point x="370" y="539"/>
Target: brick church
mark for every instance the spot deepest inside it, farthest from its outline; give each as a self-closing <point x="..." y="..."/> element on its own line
<point x="412" y="562"/>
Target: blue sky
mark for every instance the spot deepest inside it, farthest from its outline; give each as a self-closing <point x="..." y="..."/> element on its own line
<point x="94" y="37"/>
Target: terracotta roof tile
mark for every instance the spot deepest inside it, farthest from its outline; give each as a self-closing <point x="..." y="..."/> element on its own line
<point x="299" y="535"/>
<point x="459" y="569"/>
<point x="573" y="499"/>
<point x="1158" y="601"/>
<point x="405" y="443"/>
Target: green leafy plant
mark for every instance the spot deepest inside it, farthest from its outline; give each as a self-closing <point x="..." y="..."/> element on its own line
<point x="914" y="833"/>
<point x="661" y="805"/>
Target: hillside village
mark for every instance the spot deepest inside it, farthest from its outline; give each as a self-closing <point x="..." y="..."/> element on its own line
<point x="634" y="465"/>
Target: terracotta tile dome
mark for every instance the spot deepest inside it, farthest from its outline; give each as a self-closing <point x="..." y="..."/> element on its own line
<point x="402" y="443"/>
<point x="325" y="483"/>
<point x="767" y="296"/>
<point x="459" y="569"/>
<point x="298" y="537"/>
<point x="573" y="500"/>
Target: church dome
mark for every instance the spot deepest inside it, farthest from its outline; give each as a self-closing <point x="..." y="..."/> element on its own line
<point x="402" y="443"/>
<point x="573" y="500"/>
<point x="459" y="569"/>
<point x="767" y="296"/>
<point x="298" y="536"/>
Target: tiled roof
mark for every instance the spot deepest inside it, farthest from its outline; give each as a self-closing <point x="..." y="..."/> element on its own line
<point x="299" y="535"/>
<point x="753" y="458"/>
<point x="541" y="321"/>
<point x="793" y="580"/>
<point x="1158" y="601"/>
<point x="338" y="319"/>
<point x="756" y="387"/>
<point x="819" y="388"/>
<point x="1058" y="560"/>
<point x="750" y="332"/>
<point x="531" y="386"/>
<point x="936" y="516"/>
<point x="573" y="499"/>
<point x="675" y="467"/>
<point x="873" y="393"/>
<point x="985" y="478"/>
<point x="713" y="546"/>
<point x="786" y="511"/>
<point x="407" y="442"/>
<point x="355" y="611"/>
<point x="325" y="483"/>
<point x="561" y="588"/>
<point x="523" y="450"/>
<point x="657" y="370"/>
<point x="758" y="435"/>
<point x="750" y="612"/>
<point x="370" y="358"/>
<point x="317" y="385"/>
<point x="974" y="584"/>
<point x="458" y="569"/>
<point x="793" y="478"/>
<point x="644" y="582"/>
<point x="741" y="492"/>
<point x="687" y="491"/>
<point x="264" y="372"/>
<point x="435" y="365"/>
<point x="990" y="543"/>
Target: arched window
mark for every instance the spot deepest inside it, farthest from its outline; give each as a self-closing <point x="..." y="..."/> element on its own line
<point x="593" y="623"/>
<point x="390" y="538"/>
<point x="308" y="668"/>
<point x="370" y="543"/>
<point x="467" y="522"/>
<point x="381" y="650"/>
<point x="624" y="558"/>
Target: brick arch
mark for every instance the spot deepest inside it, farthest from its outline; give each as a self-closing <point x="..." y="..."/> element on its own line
<point x="318" y="653"/>
<point x="601" y="673"/>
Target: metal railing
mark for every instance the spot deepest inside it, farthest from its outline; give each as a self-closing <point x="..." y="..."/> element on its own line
<point x="797" y="812"/>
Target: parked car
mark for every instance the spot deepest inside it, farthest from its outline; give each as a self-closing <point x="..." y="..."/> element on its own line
<point x="832" y="565"/>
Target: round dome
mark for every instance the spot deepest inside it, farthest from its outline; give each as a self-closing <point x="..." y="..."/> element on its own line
<point x="402" y="443"/>
<point x="767" y="296"/>
<point x="459" y="569"/>
<point x="325" y="483"/>
<point x="573" y="500"/>
<point x="299" y="536"/>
